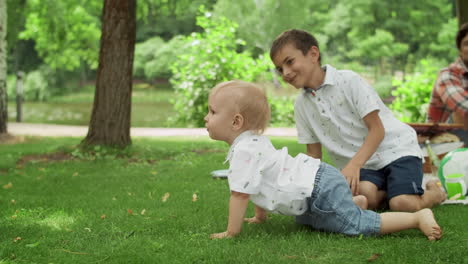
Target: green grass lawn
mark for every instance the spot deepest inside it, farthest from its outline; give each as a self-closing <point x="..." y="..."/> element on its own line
<point x="158" y="204"/>
<point x="150" y="108"/>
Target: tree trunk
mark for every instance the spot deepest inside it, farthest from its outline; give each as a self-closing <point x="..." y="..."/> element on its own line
<point x="110" y="118"/>
<point x="3" y="67"/>
<point x="462" y="11"/>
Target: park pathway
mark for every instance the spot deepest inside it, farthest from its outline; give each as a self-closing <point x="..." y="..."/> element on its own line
<point x="48" y="130"/>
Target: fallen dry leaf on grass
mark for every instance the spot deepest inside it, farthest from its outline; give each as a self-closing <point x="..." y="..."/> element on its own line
<point x="154" y="172"/>
<point x="129" y="211"/>
<point x="143" y="212"/>
<point x="8" y="185"/>
<point x="16" y="239"/>
<point x="75" y="174"/>
<point x="165" y="197"/>
<point x="103" y="216"/>
<point x="13" y="201"/>
<point x="373" y="257"/>
<point x="194" y="197"/>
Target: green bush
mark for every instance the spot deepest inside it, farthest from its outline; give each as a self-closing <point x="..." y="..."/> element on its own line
<point x="412" y="95"/>
<point x="144" y="52"/>
<point x="41" y="84"/>
<point x="154" y="57"/>
<point x="35" y="86"/>
<point x="282" y="110"/>
<point x="210" y="57"/>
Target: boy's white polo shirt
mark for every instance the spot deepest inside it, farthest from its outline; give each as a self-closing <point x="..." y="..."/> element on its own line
<point x="274" y="180"/>
<point x="333" y="116"/>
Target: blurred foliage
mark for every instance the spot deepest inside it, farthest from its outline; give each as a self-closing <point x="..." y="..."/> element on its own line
<point x="154" y="57"/>
<point x="211" y="57"/>
<point x="57" y="42"/>
<point x="168" y="18"/>
<point x="260" y="21"/>
<point x="68" y="37"/>
<point x="412" y="94"/>
<point x="282" y="110"/>
<point x="369" y="32"/>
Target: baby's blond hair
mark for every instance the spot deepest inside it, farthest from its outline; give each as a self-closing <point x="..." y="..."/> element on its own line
<point x="251" y="103"/>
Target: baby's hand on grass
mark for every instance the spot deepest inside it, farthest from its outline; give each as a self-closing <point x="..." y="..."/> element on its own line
<point x="220" y="235"/>
<point x="254" y="220"/>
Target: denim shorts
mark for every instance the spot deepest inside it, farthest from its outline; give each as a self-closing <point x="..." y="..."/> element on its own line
<point x="402" y="176"/>
<point x="332" y="209"/>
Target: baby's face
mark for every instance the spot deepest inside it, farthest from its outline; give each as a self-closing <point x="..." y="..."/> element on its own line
<point x="220" y="117"/>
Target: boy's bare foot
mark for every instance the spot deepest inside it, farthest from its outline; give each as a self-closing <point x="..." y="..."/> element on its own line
<point x="428" y="225"/>
<point x="361" y="201"/>
<point x="434" y="186"/>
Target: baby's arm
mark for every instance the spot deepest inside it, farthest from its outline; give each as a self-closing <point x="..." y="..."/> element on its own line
<point x="237" y="207"/>
<point x="260" y="216"/>
<point x="375" y="135"/>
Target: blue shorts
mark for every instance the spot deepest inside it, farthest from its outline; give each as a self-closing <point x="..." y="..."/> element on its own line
<point x="402" y="176"/>
<point x="332" y="209"/>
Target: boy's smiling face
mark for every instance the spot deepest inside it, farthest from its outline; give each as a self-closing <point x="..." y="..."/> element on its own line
<point x="296" y="68"/>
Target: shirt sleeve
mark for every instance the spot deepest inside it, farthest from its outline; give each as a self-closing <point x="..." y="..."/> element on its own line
<point x="452" y="93"/>
<point x="244" y="171"/>
<point x="362" y="96"/>
<point x="305" y="134"/>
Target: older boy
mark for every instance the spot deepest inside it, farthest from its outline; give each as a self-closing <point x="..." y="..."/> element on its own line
<point x="337" y="109"/>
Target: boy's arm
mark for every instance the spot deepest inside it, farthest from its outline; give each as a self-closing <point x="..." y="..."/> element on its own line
<point x="376" y="133"/>
<point x="260" y="216"/>
<point x="237" y="207"/>
<point x="315" y="150"/>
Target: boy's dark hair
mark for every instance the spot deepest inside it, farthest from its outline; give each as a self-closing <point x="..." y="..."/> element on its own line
<point x="301" y="39"/>
<point x="461" y="34"/>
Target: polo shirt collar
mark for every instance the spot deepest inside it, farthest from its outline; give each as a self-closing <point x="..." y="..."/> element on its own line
<point x="329" y="79"/>
<point x="243" y="135"/>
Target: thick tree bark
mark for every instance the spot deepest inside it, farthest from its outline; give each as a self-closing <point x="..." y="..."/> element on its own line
<point x="3" y="67"/>
<point x="110" y="119"/>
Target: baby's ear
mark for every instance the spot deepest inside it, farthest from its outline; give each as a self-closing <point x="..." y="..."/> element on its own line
<point x="237" y="122"/>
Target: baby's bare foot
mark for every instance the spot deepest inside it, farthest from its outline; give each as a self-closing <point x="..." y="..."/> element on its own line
<point x="428" y="225"/>
<point x="434" y="186"/>
<point x="361" y="201"/>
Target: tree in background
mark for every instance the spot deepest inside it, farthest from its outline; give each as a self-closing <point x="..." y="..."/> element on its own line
<point x="66" y="33"/>
<point x="411" y="25"/>
<point x="209" y="58"/>
<point x="21" y="52"/>
<point x="3" y="69"/>
<point x="462" y="11"/>
<point x="110" y="119"/>
<point x="261" y="20"/>
<point x="172" y="17"/>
